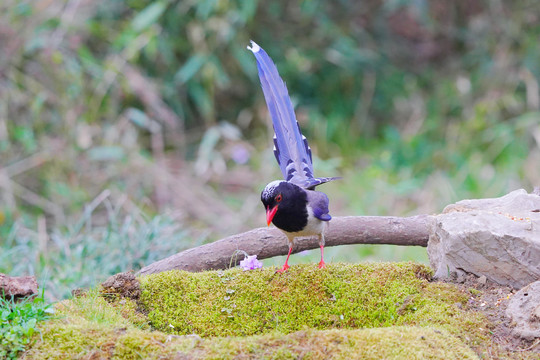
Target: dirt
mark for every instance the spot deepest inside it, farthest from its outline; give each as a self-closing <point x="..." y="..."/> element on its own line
<point x="123" y="285"/>
<point x="491" y="299"/>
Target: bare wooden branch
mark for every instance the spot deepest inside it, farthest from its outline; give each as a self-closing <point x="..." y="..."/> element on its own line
<point x="270" y="242"/>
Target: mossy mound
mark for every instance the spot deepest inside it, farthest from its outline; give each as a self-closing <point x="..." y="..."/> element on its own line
<point x="367" y="311"/>
<point x="92" y="341"/>
<point x="238" y="303"/>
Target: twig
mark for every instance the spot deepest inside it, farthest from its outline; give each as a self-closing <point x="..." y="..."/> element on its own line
<point x="8" y="196"/>
<point x="361" y="112"/>
<point x="26" y="164"/>
<point x="534" y="344"/>
<point x="158" y="150"/>
<point x="42" y="236"/>
<point x="66" y="19"/>
<point x="89" y="209"/>
<point x="34" y="199"/>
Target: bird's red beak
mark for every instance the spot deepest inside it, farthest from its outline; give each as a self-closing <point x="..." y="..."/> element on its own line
<point x="270" y="213"/>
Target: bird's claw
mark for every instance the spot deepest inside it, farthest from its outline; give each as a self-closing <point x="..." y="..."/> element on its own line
<point x="283" y="269"/>
<point x="322" y="265"/>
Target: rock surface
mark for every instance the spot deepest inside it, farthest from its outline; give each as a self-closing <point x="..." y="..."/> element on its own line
<point x="497" y="238"/>
<point x="524" y="310"/>
<point x="18" y="286"/>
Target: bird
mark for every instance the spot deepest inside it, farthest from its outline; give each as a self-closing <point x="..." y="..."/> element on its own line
<point x="292" y="204"/>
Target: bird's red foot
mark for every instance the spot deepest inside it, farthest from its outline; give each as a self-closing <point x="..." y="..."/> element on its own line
<point x="283" y="269"/>
<point x="322" y="265"/>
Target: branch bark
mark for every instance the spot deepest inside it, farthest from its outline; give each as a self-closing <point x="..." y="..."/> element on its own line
<point x="270" y="242"/>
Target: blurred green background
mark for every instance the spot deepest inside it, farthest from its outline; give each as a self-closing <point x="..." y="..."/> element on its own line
<point x="131" y="130"/>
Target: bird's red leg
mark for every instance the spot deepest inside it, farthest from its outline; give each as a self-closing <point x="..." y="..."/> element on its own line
<point x="322" y="265"/>
<point x="286" y="265"/>
<point x="322" y="241"/>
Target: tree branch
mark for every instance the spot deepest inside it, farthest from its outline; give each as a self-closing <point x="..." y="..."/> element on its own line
<point x="270" y="242"/>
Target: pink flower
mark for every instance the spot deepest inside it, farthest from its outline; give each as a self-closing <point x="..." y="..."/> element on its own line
<point x="250" y="263"/>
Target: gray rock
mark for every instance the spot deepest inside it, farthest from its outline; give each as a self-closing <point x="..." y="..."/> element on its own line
<point x="524" y="311"/>
<point x="496" y="238"/>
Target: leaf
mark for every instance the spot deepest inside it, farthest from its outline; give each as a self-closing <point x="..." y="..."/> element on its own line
<point x="190" y="68"/>
<point x="104" y="153"/>
<point x="138" y="117"/>
<point x="221" y="76"/>
<point x="247" y="9"/>
<point x="205" y="7"/>
<point x="201" y="98"/>
<point x="25" y="136"/>
<point x="148" y="16"/>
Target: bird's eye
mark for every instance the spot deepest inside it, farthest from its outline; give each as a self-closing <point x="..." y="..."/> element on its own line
<point x="279" y="198"/>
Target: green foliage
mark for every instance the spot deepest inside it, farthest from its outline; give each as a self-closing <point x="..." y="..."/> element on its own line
<point x="19" y="324"/>
<point x="86" y="253"/>
<point x="405" y="86"/>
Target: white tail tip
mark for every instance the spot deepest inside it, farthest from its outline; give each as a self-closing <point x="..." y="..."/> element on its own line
<point x="254" y="47"/>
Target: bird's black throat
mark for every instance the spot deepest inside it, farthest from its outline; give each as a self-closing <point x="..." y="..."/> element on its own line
<point x="292" y="214"/>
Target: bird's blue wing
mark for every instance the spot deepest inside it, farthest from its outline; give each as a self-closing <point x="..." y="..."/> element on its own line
<point x="290" y="146"/>
<point x="312" y="182"/>
<point x="318" y="202"/>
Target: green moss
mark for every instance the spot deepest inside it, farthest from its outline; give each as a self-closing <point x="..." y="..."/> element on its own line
<point x="238" y="303"/>
<point x="63" y="340"/>
<point x="475" y="292"/>
<point x="380" y="343"/>
<point x="86" y="339"/>
<point x="398" y="342"/>
<point x="74" y="340"/>
<point x="368" y="311"/>
<point x="93" y="308"/>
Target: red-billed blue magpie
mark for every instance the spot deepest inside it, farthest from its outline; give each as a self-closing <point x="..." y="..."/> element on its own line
<point x="291" y="204"/>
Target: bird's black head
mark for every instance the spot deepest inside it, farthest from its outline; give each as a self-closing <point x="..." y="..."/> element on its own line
<point x="286" y="205"/>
